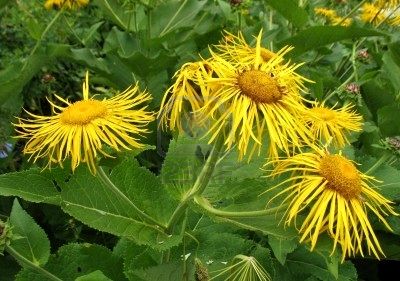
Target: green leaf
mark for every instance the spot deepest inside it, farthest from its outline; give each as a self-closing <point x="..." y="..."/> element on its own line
<point x="88" y="199"/>
<point x="136" y="257"/>
<point x="388" y="117"/>
<point x="94" y="276"/>
<point x="281" y="247"/>
<point x="318" y="36"/>
<point x="303" y="264"/>
<point x="290" y="10"/>
<point x="376" y="95"/>
<point x="31" y="185"/>
<point x="114" y="11"/>
<point x="32" y="242"/>
<point x="175" y="14"/>
<point x="75" y="260"/>
<point x="391" y="69"/>
<point x="181" y="166"/>
<point x="167" y="272"/>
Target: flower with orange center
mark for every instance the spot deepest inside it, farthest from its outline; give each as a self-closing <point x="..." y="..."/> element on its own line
<point x="328" y="124"/>
<point x="335" y="197"/>
<point x="68" y="4"/>
<point x="251" y="98"/>
<point x="80" y="129"/>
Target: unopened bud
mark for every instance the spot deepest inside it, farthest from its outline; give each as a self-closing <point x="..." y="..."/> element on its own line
<point x="353" y="88"/>
<point x="201" y="273"/>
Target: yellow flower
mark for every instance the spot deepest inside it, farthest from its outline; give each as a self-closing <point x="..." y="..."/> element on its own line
<point x="335" y="198"/>
<point x="328" y="13"/>
<point x="68" y="4"/>
<point x="388" y="3"/>
<point x="331" y="124"/>
<point x="395" y="21"/>
<point x="372" y="14"/>
<point x="79" y="130"/>
<point x="236" y="50"/>
<point x="248" y="99"/>
<point x="333" y="17"/>
<point x="183" y="98"/>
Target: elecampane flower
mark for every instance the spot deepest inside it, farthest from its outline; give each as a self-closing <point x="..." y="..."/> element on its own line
<point x="332" y="124"/>
<point x="335" y="197"/>
<point x="372" y="14"/>
<point x="68" y="4"/>
<point x="247" y="99"/>
<point x="78" y="130"/>
<point x="184" y="98"/>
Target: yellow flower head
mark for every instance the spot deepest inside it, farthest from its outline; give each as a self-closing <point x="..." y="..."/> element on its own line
<point x="371" y="13"/>
<point x="236" y="50"/>
<point x="328" y="13"/>
<point x="332" y="124"/>
<point x="248" y="99"/>
<point x="335" y="197"/>
<point x="184" y="97"/>
<point x="68" y="4"/>
<point x="333" y="17"/>
<point x="388" y="3"/>
<point x="79" y="130"/>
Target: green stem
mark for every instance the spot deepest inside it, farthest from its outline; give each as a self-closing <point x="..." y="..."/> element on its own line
<point x="108" y="183"/>
<point x="27" y="263"/>
<point x="204" y="204"/>
<point x="340" y="87"/>
<point x="200" y="184"/>
<point x="384" y="158"/>
<point x="48" y="27"/>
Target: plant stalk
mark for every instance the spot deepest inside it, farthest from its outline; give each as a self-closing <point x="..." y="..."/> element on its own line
<point x="205" y="205"/>
<point x="200" y="184"/>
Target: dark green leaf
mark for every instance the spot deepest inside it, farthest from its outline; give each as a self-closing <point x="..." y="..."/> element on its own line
<point x="31" y="185"/>
<point x="94" y="276"/>
<point x="388" y="117"/>
<point x="31" y="242"/>
<point x="290" y="10"/>
<point x="318" y="36"/>
<point x="75" y="260"/>
<point x="281" y="247"/>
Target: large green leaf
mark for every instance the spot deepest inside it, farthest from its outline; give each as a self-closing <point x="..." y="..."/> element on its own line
<point x="31" y="185"/>
<point x="388" y="118"/>
<point x="94" y="276"/>
<point x="281" y="247"/>
<point x="175" y="14"/>
<point x="181" y="166"/>
<point x="318" y="36"/>
<point x="114" y="11"/>
<point x="302" y="263"/>
<point x="391" y="67"/>
<point x="32" y="242"/>
<point x="89" y="200"/>
<point x="290" y="10"/>
<point x="76" y="260"/>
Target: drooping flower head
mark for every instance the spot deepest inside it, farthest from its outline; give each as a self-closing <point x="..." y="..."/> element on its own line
<point x="335" y="198"/>
<point x="67" y="4"/>
<point x="79" y="130"/>
<point x="184" y="98"/>
<point x="333" y="124"/>
<point x="252" y="97"/>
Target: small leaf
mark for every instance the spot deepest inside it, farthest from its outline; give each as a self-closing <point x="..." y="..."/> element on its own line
<point x="281" y="247"/>
<point x="318" y="36"/>
<point x="32" y="242"/>
<point x="290" y="10"/>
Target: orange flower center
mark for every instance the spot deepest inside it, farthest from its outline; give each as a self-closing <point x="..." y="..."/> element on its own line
<point x="83" y="112"/>
<point x="259" y="86"/>
<point x="341" y="175"/>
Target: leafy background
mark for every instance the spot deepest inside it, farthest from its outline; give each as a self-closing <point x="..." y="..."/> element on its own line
<point x="72" y="226"/>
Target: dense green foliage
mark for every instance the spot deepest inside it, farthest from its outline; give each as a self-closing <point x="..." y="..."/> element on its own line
<point x="73" y="227"/>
